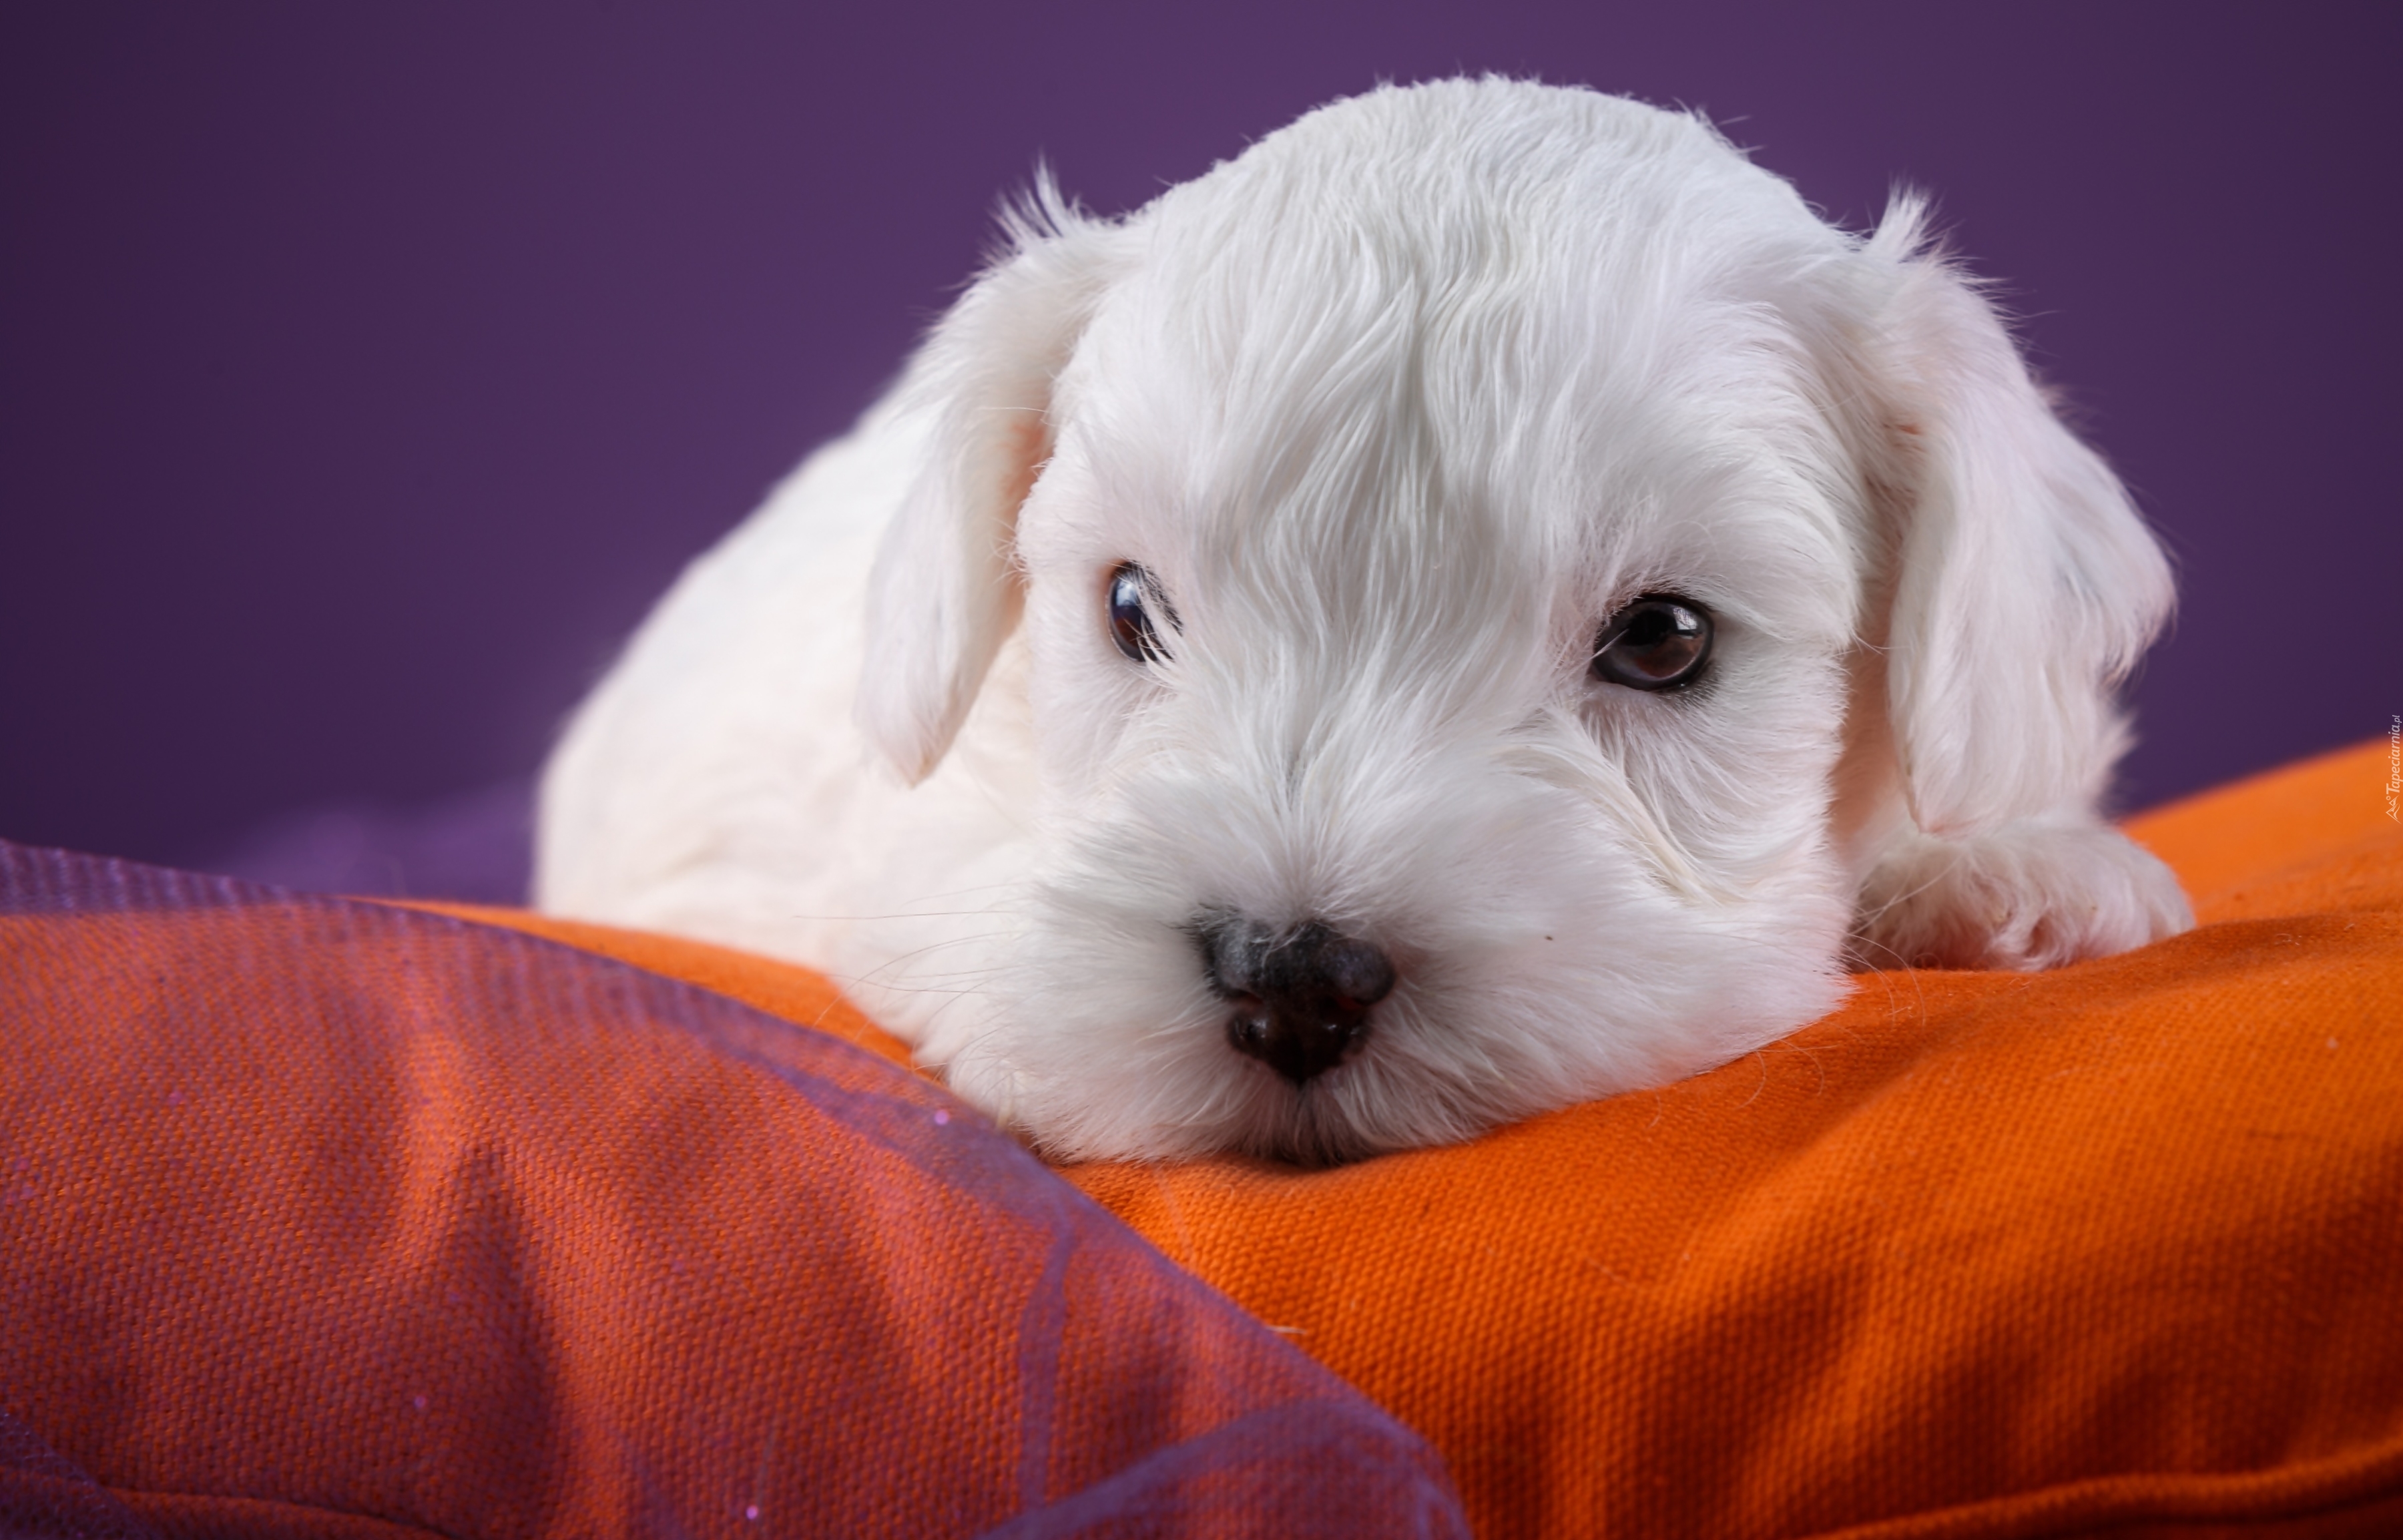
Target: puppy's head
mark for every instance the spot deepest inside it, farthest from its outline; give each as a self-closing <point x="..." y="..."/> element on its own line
<point x="1500" y="579"/>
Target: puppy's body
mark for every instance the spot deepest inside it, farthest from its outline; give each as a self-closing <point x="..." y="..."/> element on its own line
<point x="715" y="785"/>
<point x="1359" y="442"/>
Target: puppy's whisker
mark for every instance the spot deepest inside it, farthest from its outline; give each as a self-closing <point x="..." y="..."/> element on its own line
<point x="929" y="948"/>
<point x="900" y="915"/>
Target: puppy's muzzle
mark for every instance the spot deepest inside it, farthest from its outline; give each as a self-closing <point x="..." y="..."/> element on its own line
<point x="1301" y="999"/>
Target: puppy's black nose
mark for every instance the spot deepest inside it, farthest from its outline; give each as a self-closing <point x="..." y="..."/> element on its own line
<point x="1302" y="1000"/>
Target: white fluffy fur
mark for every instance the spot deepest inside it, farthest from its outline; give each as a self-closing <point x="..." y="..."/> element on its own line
<point x="1398" y="406"/>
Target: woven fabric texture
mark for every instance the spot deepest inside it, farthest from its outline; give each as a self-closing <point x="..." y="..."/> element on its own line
<point x="2115" y="1249"/>
<point x="1981" y="1255"/>
<point x="321" y="1219"/>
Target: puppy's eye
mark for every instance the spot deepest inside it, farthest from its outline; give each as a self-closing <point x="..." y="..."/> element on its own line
<point x="1134" y="596"/>
<point x="1659" y="642"/>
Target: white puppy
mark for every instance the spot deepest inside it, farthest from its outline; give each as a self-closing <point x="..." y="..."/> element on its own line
<point x="1481" y="603"/>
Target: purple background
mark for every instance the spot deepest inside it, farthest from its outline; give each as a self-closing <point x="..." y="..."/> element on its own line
<point x="366" y="370"/>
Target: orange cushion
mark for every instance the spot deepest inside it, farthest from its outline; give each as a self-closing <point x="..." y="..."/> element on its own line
<point x="1980" y="1255"/>
<point x="2119" y="1247"/>
<point x="321" y="1219"/>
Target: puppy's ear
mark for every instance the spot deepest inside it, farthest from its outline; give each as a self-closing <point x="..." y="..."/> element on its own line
<point x="2023" y="588"/>
<point x="945" y="592"/>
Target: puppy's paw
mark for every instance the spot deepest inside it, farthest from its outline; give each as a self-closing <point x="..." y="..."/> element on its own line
<point x="2030" y="896"/>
